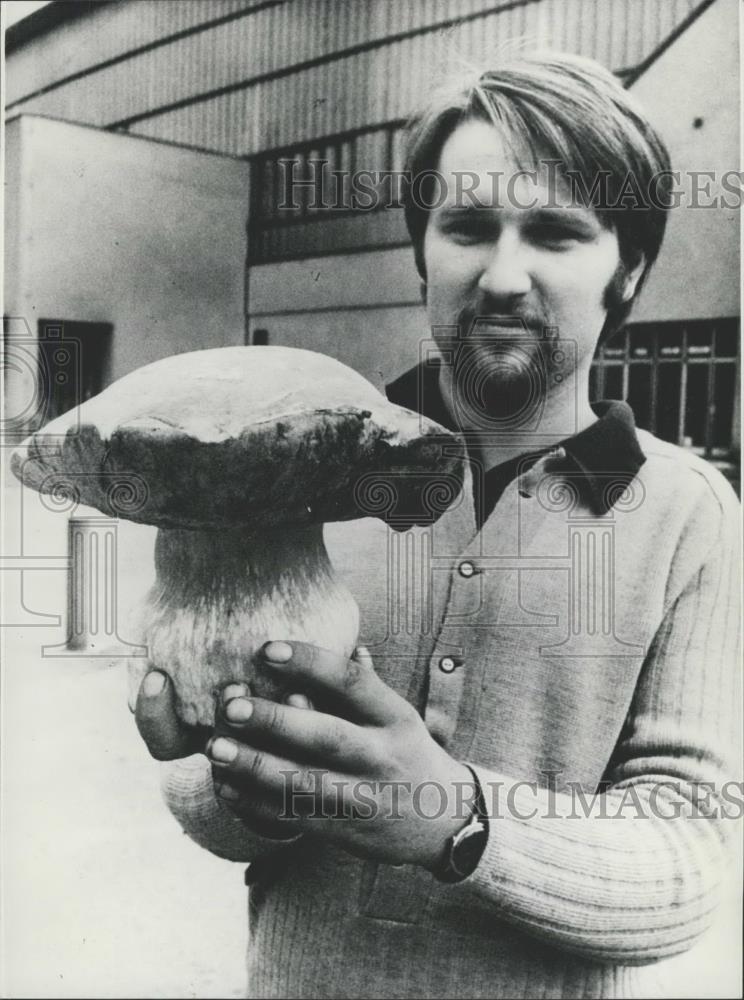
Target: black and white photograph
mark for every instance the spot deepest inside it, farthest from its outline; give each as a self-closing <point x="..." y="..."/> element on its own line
<point x="371" y="566"/>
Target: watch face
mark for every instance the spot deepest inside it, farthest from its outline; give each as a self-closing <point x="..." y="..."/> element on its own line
<point x="467" y="848"/>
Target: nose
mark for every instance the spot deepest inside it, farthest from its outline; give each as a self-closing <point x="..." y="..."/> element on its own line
<point x="505" y="274"/>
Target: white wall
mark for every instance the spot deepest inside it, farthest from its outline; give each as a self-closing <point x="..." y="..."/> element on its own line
<point x="362" y="308"/>
<point x="110" y="228"/>
<point x="697" y="273"/>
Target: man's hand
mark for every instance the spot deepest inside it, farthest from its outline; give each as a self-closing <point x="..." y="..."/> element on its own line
<point x="366" y="773"/>
<point x="167" y="738"/>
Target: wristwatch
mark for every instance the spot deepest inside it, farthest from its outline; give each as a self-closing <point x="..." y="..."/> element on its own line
<point x="465" y="849"/>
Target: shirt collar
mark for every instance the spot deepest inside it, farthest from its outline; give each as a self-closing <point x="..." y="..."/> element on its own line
<point x="607" y="454"/>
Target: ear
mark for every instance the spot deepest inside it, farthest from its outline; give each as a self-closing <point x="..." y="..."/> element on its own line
<point x="632" y="277"/>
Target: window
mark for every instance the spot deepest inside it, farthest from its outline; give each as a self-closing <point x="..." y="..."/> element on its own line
<point x="680" y="379"/>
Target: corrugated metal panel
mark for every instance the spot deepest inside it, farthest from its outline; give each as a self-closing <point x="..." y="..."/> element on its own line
<point x="385" y="83"/>
<point x="106" y="33"/>
<point x="213" y="58"/>
<point x="258" y="43"/>
<point x="381" y="84"/>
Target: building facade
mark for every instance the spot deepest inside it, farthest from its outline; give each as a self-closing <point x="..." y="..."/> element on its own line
<point x="305" y="89"/>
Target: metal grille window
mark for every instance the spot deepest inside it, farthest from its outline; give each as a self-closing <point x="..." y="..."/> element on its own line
<point x="328" y="196"/>
<point x="680" y="379"/>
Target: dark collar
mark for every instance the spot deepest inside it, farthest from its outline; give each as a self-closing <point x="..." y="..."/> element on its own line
<point x="607" y="454"/>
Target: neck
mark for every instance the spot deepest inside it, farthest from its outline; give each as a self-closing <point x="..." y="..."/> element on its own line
<point x="565" y="412"/>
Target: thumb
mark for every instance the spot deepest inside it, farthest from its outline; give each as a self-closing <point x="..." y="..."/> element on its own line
<point x="155" y="714"/>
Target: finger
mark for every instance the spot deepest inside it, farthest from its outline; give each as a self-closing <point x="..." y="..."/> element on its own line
<point x="262" y="815"/>
<point x="351" y="684"/>
<point x="298" y="701"/>
<point x="234" y="690"/>
<point x="263" y="774"/>
<point x="362" y="654"/>
<point x="300" y="735"/>
<point x="167" y="738"/>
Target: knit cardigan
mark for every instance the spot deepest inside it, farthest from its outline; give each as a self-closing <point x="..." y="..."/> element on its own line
<point x="592" y="654"/>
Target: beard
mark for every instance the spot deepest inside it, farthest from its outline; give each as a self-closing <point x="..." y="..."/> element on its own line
<point x="501" y="369"/>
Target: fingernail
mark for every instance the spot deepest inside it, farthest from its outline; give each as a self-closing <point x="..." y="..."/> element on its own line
<point x="233" y="691"/>
<point x="224" y="751"/>
<point x="298" y="701"/>
<point x="154" y="683"/>
<point x="228" y="792"/>
<point x="278" y="652"/>
<point x="238" y="710"/>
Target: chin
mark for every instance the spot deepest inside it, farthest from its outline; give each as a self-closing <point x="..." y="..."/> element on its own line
<point x="499" y="381"/>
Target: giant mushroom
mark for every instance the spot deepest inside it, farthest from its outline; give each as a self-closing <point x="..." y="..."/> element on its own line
<point x="244" y="452"/>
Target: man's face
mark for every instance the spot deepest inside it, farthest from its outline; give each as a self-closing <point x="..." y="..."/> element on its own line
<point x="546" y="267"/>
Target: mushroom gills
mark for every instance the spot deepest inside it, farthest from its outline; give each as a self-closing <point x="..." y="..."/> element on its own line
<point x="221" y="594"/>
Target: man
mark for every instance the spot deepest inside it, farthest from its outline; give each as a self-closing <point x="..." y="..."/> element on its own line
<point x="542" y="760"/>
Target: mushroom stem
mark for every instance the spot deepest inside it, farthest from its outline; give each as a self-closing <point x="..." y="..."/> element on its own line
<point x="219" y="595"/>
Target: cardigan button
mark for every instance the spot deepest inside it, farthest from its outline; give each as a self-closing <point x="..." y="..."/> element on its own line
<point x="448" y="664"/>
<point x="466" y="569"/>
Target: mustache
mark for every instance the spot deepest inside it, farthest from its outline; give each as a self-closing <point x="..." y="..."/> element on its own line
<point x="472" y="322"/>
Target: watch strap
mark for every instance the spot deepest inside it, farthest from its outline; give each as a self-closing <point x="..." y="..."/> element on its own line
<point x="465" y="848"/>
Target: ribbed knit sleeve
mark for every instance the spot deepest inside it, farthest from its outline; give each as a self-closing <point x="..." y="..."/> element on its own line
<point x="189" y="794"/>
<point x="637" y="878"/>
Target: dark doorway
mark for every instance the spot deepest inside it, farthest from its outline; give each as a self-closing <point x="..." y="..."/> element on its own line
<point x="73" y="362"/>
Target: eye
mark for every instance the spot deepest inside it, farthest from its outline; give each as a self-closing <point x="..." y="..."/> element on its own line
<point x="468" y="229"/>
<point x="560" y="231"/>
<point x="555" y="234"/>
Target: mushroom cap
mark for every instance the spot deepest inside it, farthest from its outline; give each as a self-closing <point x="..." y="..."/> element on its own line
<point x="257" y="435"/>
